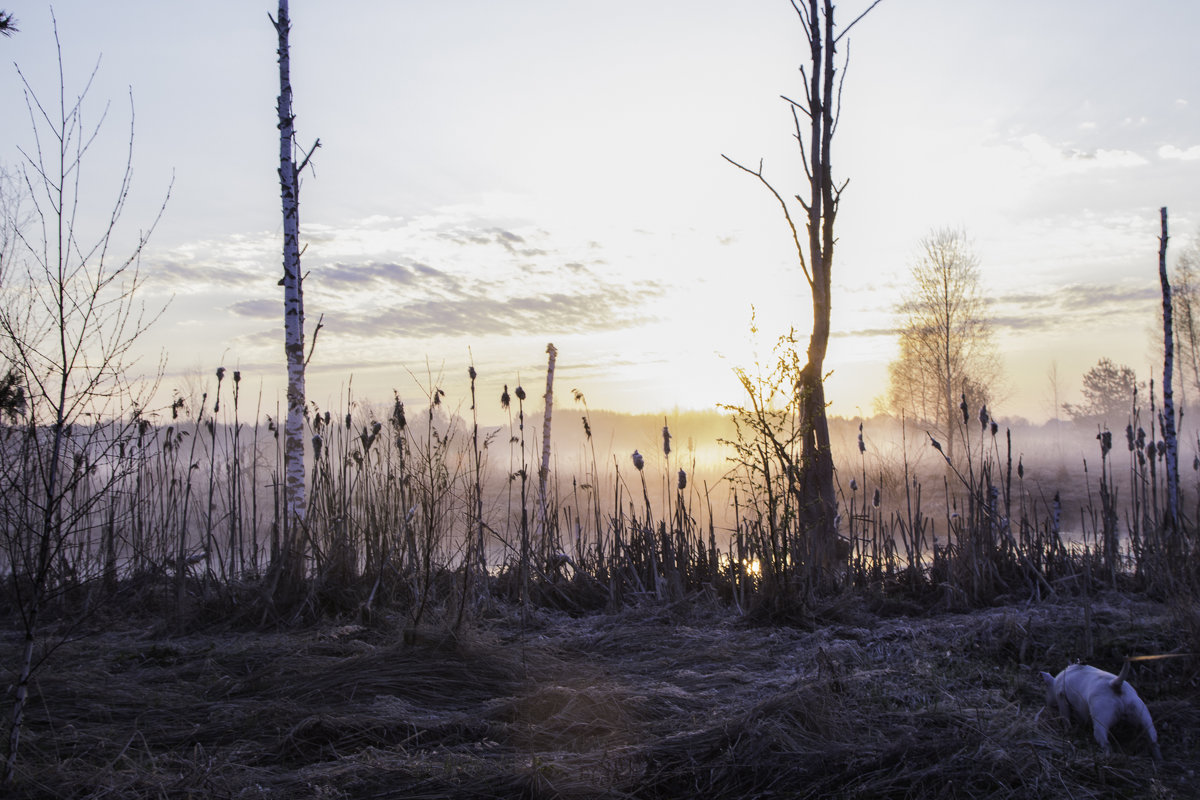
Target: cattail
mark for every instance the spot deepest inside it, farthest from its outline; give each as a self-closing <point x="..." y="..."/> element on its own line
<point x="862" y="448"/>
<point x="983" y="417"/>
<point x="504" y="398"/>
<point x="875" y="499"/>
<point x="682" y="480"/>
<point x="1150" y="450"/>
<point x="1129" y="436"/>
<point x="666" y="440"/>
<point x="398" y="421"/>
<point x="471" y="372"/>
<point x="638" y="461"/>
<point x="995" y="428"/>
<point x="348" y="423"/>
<point x="1196" y="464"/>
<point x="519" y="392"/>
<point x="936" y="444"/>
<point x="853" y="485"/>
<point x="1105" y="438"/>
<point x="963" y="408"/>
<point x="317" y="442"/>
<point x="1020" y="467"/>
<point x="237" y="376"/>
<point x="220" y="374"/>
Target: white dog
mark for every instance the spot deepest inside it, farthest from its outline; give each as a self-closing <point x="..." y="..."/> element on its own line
<point x="1100" y="697"/>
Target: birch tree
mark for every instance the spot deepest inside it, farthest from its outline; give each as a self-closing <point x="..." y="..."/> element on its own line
<point x="947" y="351"/>
<point x="1168" y="414"/>
<point x="814" y="123"/>
<point x="293" y="309"/>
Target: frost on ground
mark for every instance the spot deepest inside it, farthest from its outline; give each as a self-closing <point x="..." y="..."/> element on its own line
<point x="652" y="702"/>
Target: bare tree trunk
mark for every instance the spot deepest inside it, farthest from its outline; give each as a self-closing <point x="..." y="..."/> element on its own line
<point x="1168" y="424"/>
<point x="544" y="470"/>
<point x="293" y="311"/>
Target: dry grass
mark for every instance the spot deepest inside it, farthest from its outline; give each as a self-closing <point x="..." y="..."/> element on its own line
<point x="656" y="701"/>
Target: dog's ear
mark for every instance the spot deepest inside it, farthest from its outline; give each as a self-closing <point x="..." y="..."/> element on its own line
<point x="1047" y="679"/>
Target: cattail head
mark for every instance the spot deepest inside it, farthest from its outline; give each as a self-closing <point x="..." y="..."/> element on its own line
<point x="220" y="374"/>
<point x="504" y="398"/>
<point x="862" y="447"/>
<point x="348" y="422"/>
<point x="317" y="442"/>
<point x="853" y="485"/>
<point x="1129" y="436"/>
<point x="682" y="483"/>
<point x="638" y="461"/>
<point x="963" y="408"/>
<point x="983" y="417"/>
<point x="471" y="372"/>
<point x="398" y="421"/>
<point x="1105" y="438"/>
<point x="1020" y="467"/>
<point x="875" y="499"/>
<point x="1150" y="450"/>
<point x="995" y="428"/>
<point x="237" y="376"/>
<point x="520" y="393"/>
<point x="666" y="441"/>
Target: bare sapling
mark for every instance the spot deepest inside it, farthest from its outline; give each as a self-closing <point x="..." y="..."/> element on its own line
<point x="70" y="316"/>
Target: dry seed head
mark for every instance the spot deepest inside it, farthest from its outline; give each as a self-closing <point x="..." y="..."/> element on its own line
<point x="220" y="374"/>
<point x="471" y="372"/>
<point x="317" y="441"/>
<point x="875" y="499"/>
<point x="682" y="480"/>
<point x="666" y="440"/>
<point x="963" y="408"/>
<point x="519" y="392"/>
<point x="504" y="398"/>
<point x="983" y="417"/>
<point x="853" y="485"/>
<point x="638" y="461"/>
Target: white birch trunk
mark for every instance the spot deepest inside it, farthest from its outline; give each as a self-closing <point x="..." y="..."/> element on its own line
<point x="544" y="472"/>
<point x="1169" y="433"/>
<point x="293" y="299"/>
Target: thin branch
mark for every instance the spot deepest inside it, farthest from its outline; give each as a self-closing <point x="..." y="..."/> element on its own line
<point x="846" y="29"/>
<point x="786" y="214"/>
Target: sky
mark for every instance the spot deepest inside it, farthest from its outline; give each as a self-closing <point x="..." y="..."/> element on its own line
<point x="493" y="177"/>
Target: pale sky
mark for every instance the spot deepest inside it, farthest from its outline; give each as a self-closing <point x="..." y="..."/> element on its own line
<point x="498" y="175"/>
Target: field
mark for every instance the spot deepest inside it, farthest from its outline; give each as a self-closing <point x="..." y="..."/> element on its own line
<point x="875" y="699"/>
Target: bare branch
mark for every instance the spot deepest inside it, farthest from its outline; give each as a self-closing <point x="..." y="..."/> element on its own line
<point x="782" y="204"/>
<point x="856" y="19"/>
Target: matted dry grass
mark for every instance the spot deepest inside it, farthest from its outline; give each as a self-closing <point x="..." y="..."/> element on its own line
<point x="654" y="702"/>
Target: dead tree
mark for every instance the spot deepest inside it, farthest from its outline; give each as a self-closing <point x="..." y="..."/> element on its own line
<point x="813" y="479"/>
<point x="293" y="522"/>
<point x="1168" y="422"/>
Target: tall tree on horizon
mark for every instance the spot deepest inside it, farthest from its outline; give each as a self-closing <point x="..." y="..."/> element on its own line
<point x="814" y="481"/>
<point x="947" y="352"/>
<point x="291" y="547"/>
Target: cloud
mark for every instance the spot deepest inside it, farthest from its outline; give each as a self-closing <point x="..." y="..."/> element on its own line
<point x="1170" y="152"/>
<point x="469" y="314"/>
<point x="1062" y="160"/>
<point x="257" y="309"/>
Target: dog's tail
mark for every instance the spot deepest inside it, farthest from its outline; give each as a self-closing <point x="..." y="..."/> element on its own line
<point x="1120" y="679"/>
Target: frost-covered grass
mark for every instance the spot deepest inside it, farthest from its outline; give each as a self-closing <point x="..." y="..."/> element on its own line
<point x="653" y="701"/>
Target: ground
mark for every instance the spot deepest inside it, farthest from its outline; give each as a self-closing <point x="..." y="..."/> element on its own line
<point x="686" y="701"/>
